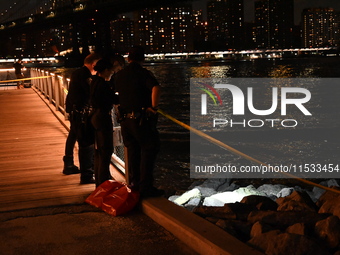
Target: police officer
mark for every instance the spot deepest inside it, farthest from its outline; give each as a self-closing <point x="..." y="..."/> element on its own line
<point x="139" y="95"/>
<point x="102" y="100"/>
<point x="18" y="73"/>
<point x="77" y="105"/>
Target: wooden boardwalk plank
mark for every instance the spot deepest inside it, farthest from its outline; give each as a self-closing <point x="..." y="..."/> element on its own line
<point x="32" y="143"/>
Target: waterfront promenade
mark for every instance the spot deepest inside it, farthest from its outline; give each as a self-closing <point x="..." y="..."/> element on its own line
<point x="31" y="150"/>
<point x="43" y="212"/>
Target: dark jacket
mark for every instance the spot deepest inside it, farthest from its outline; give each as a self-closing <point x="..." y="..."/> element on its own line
<point x="78" y="96"/>
<point x="134" y="85"/>
<point x="17" y="66"/>
<point x="102" y="94"/>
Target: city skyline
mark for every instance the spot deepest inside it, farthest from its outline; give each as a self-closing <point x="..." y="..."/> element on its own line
<point x="180" y="29"/>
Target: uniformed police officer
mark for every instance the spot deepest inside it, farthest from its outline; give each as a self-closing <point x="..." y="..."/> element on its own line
<point x="139" y="95"/>
<point x="102" y="100"/>
<point x="78" y="106"/>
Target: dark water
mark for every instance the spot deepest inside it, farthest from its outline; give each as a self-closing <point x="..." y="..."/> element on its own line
<point x="172" y="169"/>
<point x="310" y="143"/>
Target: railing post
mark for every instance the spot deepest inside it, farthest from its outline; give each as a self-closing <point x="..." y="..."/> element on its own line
<point x="38" y="81"/>
<point x="64" y="88"/>
<point x="46" y="86"/>
<point x="32" y="75"/>
<point x="50" y="93"/>
<point x="42" y="83"/>
<point x="35" y="75"/>
<point x="56" y="88"/>
<point x="43" y="80"/>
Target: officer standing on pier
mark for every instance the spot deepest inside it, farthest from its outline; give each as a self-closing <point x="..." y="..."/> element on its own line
<point x="78" y="106"/>
<point x="139" y="95"/>
<point x="102" y="100"/>
<point x="18" y="73"/>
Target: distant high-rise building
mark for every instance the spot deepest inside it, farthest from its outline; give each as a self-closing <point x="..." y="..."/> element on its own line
<point x="249" y="35"/>
<point x="165" y="29"/>
<point x="200" y="35"/>
<point x="226" y="24"/>
<point x="274" y="21"/>
<point x="122" y="34"/>
<point x="320" y="27"/>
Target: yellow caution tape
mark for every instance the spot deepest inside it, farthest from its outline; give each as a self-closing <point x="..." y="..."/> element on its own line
<point x="25" y="79"/>
<point x="236" y="152"/>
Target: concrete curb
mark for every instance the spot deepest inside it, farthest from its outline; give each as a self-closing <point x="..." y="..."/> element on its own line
<point x="196" y="232"/>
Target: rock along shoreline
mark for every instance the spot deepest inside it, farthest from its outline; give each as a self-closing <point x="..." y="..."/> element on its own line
<point x="274" y="218"/>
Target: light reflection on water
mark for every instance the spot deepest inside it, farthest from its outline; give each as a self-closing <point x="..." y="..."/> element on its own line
<point x="175" y="78"/>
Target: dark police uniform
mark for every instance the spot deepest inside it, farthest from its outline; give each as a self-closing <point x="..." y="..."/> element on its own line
<point x="18" y="73"/>
<point x="17" y="67"/>
<point x="77" y="105"/>
<point x="102" y="100"/>
<point x="134" y="85"/>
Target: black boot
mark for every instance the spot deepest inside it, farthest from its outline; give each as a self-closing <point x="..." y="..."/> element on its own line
<point x="86" y="164"/>
<point x="69" y="167"/>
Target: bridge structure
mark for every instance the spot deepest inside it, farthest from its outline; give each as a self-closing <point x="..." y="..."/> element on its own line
<point x="48" y="12"/>
<point x="28" y="22"/>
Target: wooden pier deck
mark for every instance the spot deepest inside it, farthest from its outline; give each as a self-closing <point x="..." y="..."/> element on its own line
<point x="32" y="143"/>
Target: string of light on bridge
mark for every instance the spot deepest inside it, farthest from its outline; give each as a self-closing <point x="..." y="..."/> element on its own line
<point x="23" y="8"/>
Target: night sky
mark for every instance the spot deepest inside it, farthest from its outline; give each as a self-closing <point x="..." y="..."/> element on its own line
<point x="198" y="4"/>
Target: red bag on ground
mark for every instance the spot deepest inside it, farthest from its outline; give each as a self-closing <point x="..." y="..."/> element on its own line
<point x="113" y="197"/>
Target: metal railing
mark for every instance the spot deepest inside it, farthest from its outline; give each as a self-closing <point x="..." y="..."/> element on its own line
<point x="54" y="88"/>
